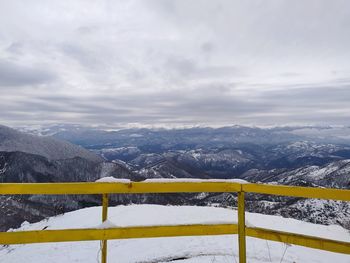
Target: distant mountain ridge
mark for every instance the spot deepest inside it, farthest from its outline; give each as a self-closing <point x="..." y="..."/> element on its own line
<point x="12" y="140"/>
<point x="95" y="136"/>
<point x="28" y="158"/>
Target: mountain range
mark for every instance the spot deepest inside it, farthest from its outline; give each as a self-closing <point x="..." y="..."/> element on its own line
<point x="29" y="158"/>
<point x="287" y="155"/>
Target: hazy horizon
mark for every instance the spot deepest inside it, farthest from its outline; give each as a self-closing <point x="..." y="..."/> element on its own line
<point x="36" y="128"/>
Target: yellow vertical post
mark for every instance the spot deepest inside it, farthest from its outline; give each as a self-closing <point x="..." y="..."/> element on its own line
<point x="241" y="228"/>
<point x="104" y="218"/>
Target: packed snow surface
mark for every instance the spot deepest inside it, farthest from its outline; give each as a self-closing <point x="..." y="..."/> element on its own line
<point x="194" y="180"/>
<point x="111" y="179"/>
<point x="206" y="249"/>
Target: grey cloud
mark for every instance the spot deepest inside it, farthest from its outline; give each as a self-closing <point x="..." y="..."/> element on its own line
<point x="214" y="104"/>
<point x="15" y="48"/>
<point x="12" y="74"/>
<point x="314" y="97"/>
<point x="207" y="47"/>
<point x="85" y="58"/>
<point x="181" y="68"/>
<point x="160" y="62"/>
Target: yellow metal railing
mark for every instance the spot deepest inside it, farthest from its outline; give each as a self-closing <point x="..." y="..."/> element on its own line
<point x="42" y="236"/>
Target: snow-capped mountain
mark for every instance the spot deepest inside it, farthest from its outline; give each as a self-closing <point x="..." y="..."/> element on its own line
<point x="98" y="136"/>
<point x="51" y="148"/>
<point x="333" y="175"/>
<point x="28" y="158"/>
<point x="22" y="167"/>
<point x="275" y="155"/>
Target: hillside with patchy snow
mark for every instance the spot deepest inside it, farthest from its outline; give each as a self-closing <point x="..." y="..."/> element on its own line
<point x="220" y="249"/>
<point x="51" y="148"/>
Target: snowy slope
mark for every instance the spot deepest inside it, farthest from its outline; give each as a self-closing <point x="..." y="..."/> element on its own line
<point x="53" y="149"/>
<point x="179" y="249"/>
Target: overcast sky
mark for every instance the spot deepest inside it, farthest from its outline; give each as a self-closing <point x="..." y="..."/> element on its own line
<point x="173" y="63"/>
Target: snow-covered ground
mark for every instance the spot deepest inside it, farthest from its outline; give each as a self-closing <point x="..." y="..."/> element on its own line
<point x="178" y="249"/>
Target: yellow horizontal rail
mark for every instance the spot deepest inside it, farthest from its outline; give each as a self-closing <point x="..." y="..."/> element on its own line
<point x="44" y="236"/>
<point x="300" y="240"/>
<point x="298" y="191"/>
<point x="117" y="188"/>
<point x="66" y="235"/>
<point x="171" y="187"/>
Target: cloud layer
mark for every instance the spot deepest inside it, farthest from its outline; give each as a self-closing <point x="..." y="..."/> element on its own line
<point x="171" y="63"/>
